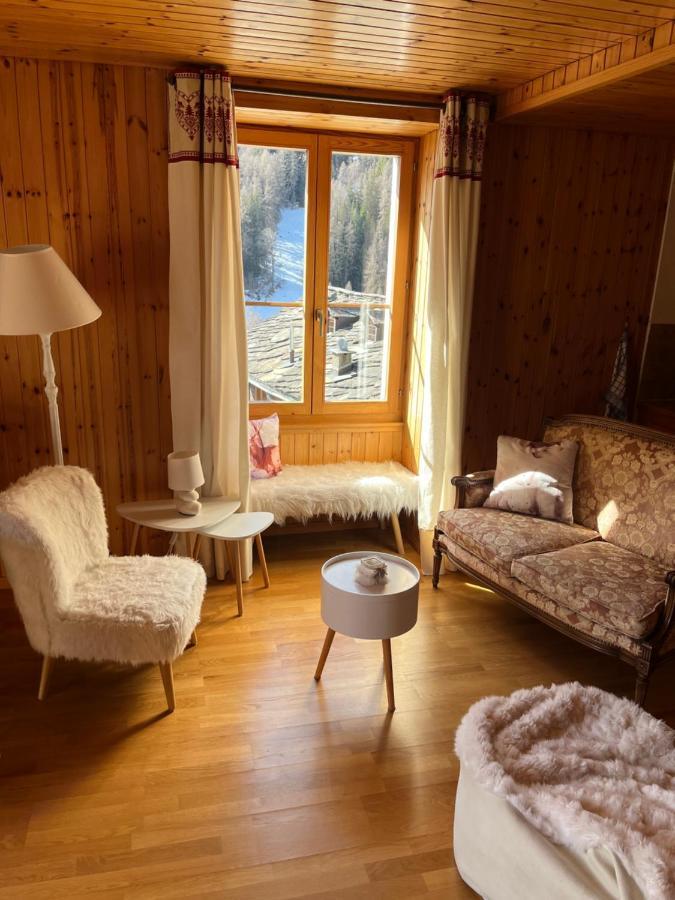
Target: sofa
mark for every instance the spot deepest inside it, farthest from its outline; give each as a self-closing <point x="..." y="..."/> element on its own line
<point x="606" y="580"/>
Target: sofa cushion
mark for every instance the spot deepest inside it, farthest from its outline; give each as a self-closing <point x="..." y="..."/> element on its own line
<point x="624" y="484"/>
<point x="607" y="584"/>
<point x="499" y="537"/>
<point x="539" y="603"/>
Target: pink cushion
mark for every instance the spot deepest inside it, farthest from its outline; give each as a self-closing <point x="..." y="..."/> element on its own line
<point x="263" y="447"/>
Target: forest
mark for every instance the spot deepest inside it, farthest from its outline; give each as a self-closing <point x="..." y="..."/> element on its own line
<point x="272" y="180"/>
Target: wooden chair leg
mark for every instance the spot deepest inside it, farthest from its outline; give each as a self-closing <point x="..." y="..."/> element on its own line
<point x="641" y="686"/>
<point x="263" y="561"/>
<point x="167" y="680"/>
<point x="398" y="537"/>
<point x="236" y="552"/>
<point x="47" y="665"/>
<point x="134" y="538"/>
<point x="325" y="650"/>
<point x="388" y="673"/>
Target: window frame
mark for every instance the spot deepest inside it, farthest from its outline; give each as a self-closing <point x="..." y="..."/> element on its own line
<point x="293" y="140"/>
<point x="320" y="146"/>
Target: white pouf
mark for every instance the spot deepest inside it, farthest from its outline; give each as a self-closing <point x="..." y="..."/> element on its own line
<point x="377" y="612"/>
<point x="565" y="792"/>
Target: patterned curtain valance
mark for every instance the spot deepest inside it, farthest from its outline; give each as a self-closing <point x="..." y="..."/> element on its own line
<point x="461" y="141"/>
<point x="201" y="119"/>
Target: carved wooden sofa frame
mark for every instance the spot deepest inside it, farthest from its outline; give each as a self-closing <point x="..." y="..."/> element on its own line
<point x="473" y="489"/>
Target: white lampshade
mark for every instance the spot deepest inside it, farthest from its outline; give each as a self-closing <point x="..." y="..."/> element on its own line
<point x="185" y="470"/>
<point x="39" y="294"/>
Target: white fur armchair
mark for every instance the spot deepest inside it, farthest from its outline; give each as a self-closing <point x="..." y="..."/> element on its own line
<point x="75" y="599"/>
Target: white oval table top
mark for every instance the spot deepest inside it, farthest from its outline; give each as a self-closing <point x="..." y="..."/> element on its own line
<point x="340" y="572"/>
<point x="162" y="514"/>
<point x="239" y="526"/>
<point x="371" y="612"/>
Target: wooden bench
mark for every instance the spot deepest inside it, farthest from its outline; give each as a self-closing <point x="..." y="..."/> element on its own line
<point x="348" y="490"/>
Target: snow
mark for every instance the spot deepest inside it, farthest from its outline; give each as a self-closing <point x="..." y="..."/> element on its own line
<point x="289" y="260"/>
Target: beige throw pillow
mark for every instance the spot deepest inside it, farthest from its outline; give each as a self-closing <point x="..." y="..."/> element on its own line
<point x="534" y="478"/>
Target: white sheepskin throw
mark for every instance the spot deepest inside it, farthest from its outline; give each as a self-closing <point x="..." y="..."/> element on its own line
<point x="75" y="599"/>
<point x="347" y="490"/>
<point x="586" y="768"/>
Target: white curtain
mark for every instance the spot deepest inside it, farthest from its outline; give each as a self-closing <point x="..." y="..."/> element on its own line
<point x="452" y="256"/>
<point x="207" y="331"/>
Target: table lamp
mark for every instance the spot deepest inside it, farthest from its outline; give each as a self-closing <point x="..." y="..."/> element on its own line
<point x="40" y="295"/>
<point x="185" y="475"/>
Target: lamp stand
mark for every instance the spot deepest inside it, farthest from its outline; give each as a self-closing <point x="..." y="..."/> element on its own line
<point x="52" y="391"/>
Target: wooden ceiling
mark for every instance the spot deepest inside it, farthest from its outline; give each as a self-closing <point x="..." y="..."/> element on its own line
<point x="643" y="104"/>
<point x="421" y="47"/>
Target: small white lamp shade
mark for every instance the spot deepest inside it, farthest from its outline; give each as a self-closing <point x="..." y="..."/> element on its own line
<point x="39" y="294"/>
<point x="185" y="470"/>
<point x="185" y="474"/>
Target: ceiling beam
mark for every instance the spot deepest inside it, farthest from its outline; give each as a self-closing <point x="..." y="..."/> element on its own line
<point x="650" y="50"/>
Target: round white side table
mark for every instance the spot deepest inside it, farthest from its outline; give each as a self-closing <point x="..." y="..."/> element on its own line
<point x="235" y="530"/>
<point x="380" y="612"/>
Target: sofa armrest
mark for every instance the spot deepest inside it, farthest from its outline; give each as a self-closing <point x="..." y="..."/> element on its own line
<point x="473" y="489"/>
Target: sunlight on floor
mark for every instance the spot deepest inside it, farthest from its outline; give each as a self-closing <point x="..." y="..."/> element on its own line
<point x="478" y="587"/>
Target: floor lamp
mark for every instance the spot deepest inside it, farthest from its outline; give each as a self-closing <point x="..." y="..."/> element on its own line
<point x="40" y="295"/>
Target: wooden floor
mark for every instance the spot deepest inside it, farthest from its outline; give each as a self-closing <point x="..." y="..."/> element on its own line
<point x="264" y="784"/>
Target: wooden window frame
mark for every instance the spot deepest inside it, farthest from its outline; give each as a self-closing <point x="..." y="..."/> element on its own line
<point x="293" y="140"/>
<point x="320" y="145"/>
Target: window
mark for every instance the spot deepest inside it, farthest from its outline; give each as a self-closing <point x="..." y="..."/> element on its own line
<point x="325" y="222"/>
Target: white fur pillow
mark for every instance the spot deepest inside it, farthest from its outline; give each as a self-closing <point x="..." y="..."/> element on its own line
<point x="534" y="478"/>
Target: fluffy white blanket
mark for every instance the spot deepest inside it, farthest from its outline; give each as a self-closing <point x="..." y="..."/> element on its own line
<point x="584" y="767"/>
<point x="348" y="490"/>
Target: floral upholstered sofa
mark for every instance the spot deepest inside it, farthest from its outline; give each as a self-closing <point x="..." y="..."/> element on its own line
<point x="606" y="580"/>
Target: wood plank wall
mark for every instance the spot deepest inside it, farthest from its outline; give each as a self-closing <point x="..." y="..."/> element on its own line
<point x="83" y="167"/>
<point x="320" y="444"/>
<point x="570" y="232"/>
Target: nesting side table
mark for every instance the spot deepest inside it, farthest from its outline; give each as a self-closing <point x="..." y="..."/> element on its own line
<point x="380" y="612"/>
<point x="235" y="530"/>
<point x="163" y="515"/>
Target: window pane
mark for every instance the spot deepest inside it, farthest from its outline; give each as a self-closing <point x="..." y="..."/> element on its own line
<point x="356" y="353"/>
<point x="276" y="346"/>
<point x="362" y="247"/>
<point x="273" y="184"/>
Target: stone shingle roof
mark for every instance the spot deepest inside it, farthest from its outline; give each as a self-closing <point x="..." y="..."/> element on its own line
<point x="275" y="372"/>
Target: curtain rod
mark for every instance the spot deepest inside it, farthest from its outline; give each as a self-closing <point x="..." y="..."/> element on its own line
<point x="276" y="92"/>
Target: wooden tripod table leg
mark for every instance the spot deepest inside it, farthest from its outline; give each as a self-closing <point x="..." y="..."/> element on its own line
<point x="134" y="539"/>
<point x="263" y="561"/>
<point x="236" y="552"/>
<point x="388" y="673"/>
<point x="196" y="547"/>
<point x="330" y="634"/>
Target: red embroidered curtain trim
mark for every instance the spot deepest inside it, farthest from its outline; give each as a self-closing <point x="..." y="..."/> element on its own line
<point x="201" y="118"/>
<point x="461" y="141"/>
